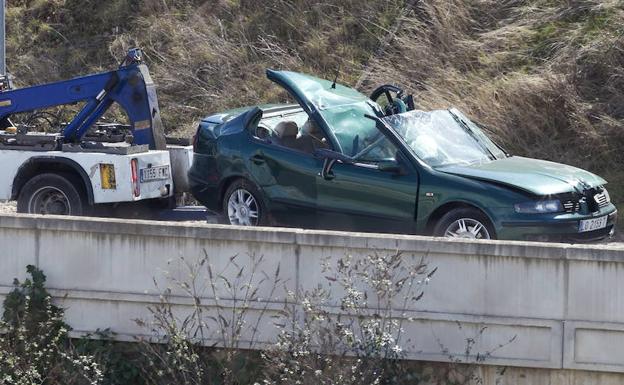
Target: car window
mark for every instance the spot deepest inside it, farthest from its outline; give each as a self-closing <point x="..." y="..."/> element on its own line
<point x="380" y="150"/>
<point x="298" y="117"/>
<point x="341" y="108"/>
<point x="295" y="131"/>
<point x="478" y="131"/>
<point x="351" y="128"/>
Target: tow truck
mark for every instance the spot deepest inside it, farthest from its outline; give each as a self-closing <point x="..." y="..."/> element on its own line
<point x="84" y="164"/>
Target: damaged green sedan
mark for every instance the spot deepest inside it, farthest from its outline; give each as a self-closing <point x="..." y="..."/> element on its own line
<point x="341" y="160"/>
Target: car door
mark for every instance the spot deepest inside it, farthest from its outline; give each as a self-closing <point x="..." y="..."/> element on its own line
<point x="376" y="193"/>
<point x="359" y="195"/>
<point x="287" y="178"/>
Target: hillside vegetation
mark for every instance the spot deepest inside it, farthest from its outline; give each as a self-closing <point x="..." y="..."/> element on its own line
<point x="546" y="77"/>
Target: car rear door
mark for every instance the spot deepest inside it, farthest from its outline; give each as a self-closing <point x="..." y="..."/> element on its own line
<point x="288" y="179"/>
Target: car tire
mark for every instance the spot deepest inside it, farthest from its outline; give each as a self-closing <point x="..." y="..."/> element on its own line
<point x="52" y="194"/>
<point x="243" y="205"/>
<point x="467" y="223"/>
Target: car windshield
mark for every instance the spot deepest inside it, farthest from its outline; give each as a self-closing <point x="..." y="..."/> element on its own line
<point x="444" y="137"/>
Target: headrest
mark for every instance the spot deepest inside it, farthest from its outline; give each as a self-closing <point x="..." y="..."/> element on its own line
<point x="286" y="129"/>
<point x="310" y="128"/>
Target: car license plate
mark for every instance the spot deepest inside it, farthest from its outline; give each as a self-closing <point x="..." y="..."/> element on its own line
<point x="593" y="224"/>
<point x="154" y="173"/>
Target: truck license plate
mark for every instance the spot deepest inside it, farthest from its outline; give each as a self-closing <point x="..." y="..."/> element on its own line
<point x="154" y="173"/>
<point x="593" y="224"/>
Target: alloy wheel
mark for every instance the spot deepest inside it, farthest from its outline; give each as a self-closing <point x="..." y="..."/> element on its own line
<point x="467" y="228"/>
<point x="242" y="208"/>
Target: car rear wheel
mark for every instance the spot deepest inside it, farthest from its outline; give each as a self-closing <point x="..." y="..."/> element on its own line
<point x="465" y="223"/>
<point x="242" y="205"/>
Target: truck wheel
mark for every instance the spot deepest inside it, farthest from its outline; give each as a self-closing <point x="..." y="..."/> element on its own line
<point x="54" y="194"/>
<point x="243" y="205"/>
<point x="465" y="223"/>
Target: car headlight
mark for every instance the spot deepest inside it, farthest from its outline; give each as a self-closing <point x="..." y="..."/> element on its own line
<point x="539" y="207"/>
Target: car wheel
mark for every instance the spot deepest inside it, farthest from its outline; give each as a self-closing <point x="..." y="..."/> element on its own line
<point x="464" y="223"/>
<point x="243" y="205"/>
<point x="54" y="194"/>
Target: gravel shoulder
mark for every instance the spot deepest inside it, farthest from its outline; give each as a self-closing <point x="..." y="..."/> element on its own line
<point x="8" y="207"/>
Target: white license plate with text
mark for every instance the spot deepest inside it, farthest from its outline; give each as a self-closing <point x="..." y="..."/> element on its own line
<point x="592" y="224"/>
<point x="155" y="173"/>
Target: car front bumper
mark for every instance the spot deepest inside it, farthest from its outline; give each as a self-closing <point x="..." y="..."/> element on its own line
<point x="558" y="228"/>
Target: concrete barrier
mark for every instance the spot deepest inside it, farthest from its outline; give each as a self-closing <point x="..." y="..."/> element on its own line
<point x="562" y="305"/>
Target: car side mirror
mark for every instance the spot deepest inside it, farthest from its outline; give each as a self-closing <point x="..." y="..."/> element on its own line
<point x="389" y="166"/>
<point x="330" y="158"/>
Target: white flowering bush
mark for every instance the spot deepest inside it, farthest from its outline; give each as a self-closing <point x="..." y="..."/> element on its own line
<point x="34" y="343"/>
<point x="357" y="338"/>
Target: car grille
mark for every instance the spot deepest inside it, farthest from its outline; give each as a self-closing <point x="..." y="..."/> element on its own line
<point x="602" y="199"/>
<point x="572" y="205"/>
<point x="596" y="199"/>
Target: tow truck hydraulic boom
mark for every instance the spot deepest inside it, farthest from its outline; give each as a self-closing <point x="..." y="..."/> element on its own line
<point x="130" y="86"/>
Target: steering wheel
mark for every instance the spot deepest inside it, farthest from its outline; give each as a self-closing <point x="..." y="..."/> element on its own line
<point x="392" y="105"/>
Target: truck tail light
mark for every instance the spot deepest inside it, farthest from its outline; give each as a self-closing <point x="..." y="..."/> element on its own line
<point x="136" y="186"/>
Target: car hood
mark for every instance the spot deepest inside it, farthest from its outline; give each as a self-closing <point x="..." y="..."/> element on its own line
<point x="534" y="176"/>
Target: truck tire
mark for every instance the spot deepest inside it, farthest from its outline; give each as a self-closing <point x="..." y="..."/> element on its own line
<point x="52" y="194"/>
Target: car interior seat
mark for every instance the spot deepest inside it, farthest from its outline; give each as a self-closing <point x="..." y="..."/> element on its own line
<point x="311" y="137"/>
<point x="286" y="132"/>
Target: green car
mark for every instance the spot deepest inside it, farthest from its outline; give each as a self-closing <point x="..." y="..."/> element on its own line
<point x="341" y="160"/>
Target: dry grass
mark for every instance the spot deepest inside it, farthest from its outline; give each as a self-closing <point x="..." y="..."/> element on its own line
<point x="545" y="76"/>
<point x="205" y="56"/>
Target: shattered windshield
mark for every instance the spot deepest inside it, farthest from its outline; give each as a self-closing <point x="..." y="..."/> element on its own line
<point x="444" y="137"/>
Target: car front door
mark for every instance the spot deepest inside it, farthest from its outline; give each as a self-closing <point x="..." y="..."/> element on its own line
<point x="365" y="194"/>
<point x="377" y="192"/>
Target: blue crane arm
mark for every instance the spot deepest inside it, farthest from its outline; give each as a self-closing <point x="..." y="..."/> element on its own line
<point x="130" y="86"/>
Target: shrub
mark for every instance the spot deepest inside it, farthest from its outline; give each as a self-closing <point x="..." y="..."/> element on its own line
<point x="357" y="338"/>
<point x="183" y="345"/>
<point x="34" y="346"/>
